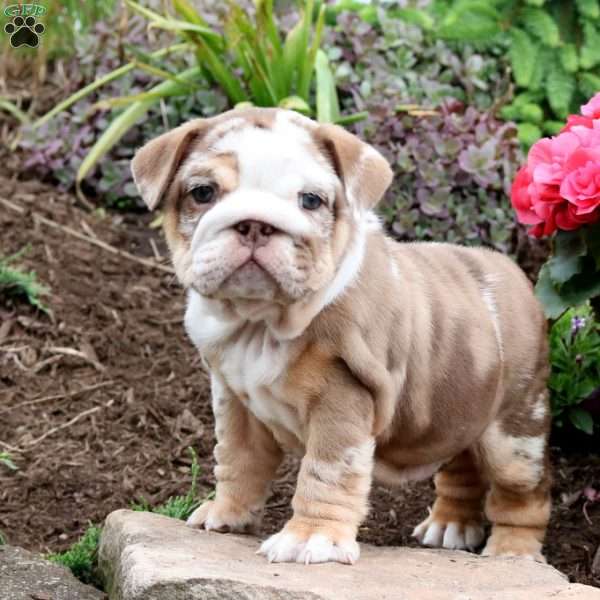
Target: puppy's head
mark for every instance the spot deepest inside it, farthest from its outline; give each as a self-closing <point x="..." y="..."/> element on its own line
<point x="260" y="204"/>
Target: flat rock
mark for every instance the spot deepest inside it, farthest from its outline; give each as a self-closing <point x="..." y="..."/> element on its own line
<point x="149" y="557"/>
<point x="27" y="576"/>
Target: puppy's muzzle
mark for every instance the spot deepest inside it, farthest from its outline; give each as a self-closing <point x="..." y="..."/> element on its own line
<point x="254" y="234"/>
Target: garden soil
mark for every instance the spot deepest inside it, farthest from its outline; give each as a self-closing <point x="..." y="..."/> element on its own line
<point x="101" y="398"/>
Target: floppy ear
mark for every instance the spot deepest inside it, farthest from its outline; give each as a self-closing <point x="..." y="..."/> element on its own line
<point x="365" y="173"/>
<point x="155" y="164"/>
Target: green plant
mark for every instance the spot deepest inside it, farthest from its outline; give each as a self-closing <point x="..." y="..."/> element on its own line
<point x="572" y="274"/>
<point x="248" y="60"/>
<point x="82" y="556"/>
<point x="7" y="461"/>
<point x="2" y="539"/>
<point x="429" y="114"/>
<point x="553" y="48"/>
<point x="575" y="360"/>
<point x="17" y="283"/>
<point x="178" y="507"/>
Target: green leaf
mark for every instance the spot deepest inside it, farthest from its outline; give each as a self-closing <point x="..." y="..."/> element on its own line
<point x="568" y="58"/>
<point x="535" y="2"/>
<point x="414" y="16"/>
<point x="294" y="51"/>
<point x="127" y="119"/>
<point x="219" y="71"/>
<point x="544" y="58"/>
<point x="569" y="243"/>
<point x="528" y="133"/>
<point x="589" y="84"/>
<point x="309" y="62"/>
<point x="560" y="87"/>
<point x="470" y="21"/>
<point x="6" y="460"/>
<point x="552" y="127"/>
<point x="561" y="269"/>
<point x="522" y="53"/>
<point x="583" y="285"/>
<point x="353" y="118"/>
<point x="532" y="113"/>
<point x="540" y="24"/>
<point x="588" y="8"/>
<point x="554" y="304"/>
<point x="582" y="420"/>
<point x="591" y="234"/>
<point x="328" y="109"/>
<point x="14" y="110"/>
<point x="171" y="24"/>
<point x="589" y="53"/>
<point x="295" y="103"/>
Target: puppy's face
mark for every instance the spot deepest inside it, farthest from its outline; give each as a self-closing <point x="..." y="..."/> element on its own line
<point x="260" y="204"/>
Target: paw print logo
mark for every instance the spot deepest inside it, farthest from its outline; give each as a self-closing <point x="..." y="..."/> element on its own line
<point x="24" y="32"/>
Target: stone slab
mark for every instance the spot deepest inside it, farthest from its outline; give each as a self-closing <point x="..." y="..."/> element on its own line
<point x="150" y="557"/>
<point x="27" y="576"/>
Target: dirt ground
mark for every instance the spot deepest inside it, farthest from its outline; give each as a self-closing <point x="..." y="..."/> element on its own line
<point x="102" y="397"/>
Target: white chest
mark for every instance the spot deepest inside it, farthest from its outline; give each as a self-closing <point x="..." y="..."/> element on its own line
<point x="252" y="363"/>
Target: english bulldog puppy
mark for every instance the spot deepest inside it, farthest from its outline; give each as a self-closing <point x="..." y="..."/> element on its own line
<point x="371" y="358"/>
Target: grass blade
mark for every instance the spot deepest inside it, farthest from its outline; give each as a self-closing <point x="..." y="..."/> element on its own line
<point x="127" y="100"/>
<point x="88" y="89"/>
<point x="219" y="72"/>
<point x="309" y="63"/>
<point x="14" y="110"/>
<point x="123" y="122"/>
<point x="328" y="108"/>
<point x="170" y="24"/>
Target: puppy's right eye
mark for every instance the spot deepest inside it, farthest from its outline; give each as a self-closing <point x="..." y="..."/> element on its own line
<point x="204" y="194"/>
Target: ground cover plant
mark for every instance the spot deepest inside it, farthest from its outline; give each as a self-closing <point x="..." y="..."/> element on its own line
<point x="431" y="114"/>
<point x="553" y="48"/>
<point x="575" y="359"/>
<point x="16" y="282"/>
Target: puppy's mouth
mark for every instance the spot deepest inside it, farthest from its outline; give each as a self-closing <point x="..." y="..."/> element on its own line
<point x="250" y="280"/>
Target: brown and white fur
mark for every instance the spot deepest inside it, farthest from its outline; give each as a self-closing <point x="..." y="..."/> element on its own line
<point x="372" y="359"/>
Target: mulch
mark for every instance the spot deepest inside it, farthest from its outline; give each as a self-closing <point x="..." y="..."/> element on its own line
<point x="104" y="396"/>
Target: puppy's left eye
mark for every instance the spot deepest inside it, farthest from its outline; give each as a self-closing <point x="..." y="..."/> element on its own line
<point x="310" y="201"/>
<point x="204" y="194"/>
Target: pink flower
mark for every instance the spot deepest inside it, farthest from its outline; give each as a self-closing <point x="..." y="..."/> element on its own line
<point x="577" y="120"/>
<point x="559" y="188"/>
<point x="581" y="185"/>
<point x="521" y="198"/>
<point x="592" y="108"/>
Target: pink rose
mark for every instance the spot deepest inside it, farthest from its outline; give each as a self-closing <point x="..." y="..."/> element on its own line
<point x="592" y="108"/>
<point x="559" y="188"/>
<point x="521" y="198"/>
<point x="577" y="120"/>
<point x="581" y="184"/>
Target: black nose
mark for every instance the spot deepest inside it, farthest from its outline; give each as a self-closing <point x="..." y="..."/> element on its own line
<point x="254" y="233"/>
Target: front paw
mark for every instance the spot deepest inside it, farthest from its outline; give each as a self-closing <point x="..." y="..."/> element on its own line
<point x="452" y="535"/>
<point x="515" y="541"/>
<point x="225" y="517"/>
<point x="310" y="545"/>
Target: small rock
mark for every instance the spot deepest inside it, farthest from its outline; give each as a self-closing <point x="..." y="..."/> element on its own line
<point x="144" y="556"/>
<point x="27" y="576"/>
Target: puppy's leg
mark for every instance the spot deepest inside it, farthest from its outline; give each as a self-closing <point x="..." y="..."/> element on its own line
<point x="456" y="518"/>
<point x="331" y="497"/>
<point x="517" y="465"/>
<point x="247" y="457"/>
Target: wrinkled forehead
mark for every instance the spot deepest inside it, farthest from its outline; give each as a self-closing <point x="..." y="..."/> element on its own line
<point x="277" y="151"/>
